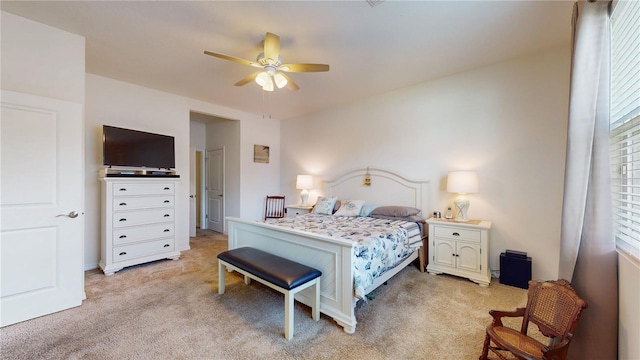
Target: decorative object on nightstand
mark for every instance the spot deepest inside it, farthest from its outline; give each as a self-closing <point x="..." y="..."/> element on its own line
<point x="462" y="182"/>
<point x="304" y="183"/>
<point x="449" y="214"/>
<point x="460" y="249"/>
<point x="297" y="209"/>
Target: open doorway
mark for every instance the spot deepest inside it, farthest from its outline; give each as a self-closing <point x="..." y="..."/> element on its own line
<point x="213" y="140"/>
<point x="197" y="181"/>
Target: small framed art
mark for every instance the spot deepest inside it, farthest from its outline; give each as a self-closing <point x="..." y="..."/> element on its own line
<point x="261" y="154"/>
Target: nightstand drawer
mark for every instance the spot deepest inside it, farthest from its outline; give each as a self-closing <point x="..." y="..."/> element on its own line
<point x="295" y="210"/>
<point x="457" y="233"/>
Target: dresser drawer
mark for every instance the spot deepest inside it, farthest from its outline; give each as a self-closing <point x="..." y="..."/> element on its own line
<point x="127" y="189"/>
<point x="133" y="218"/>
<point x="457" y="233"/>
<point x="147" y="202"/>
<point x="122" y="253"/>
<point x="141" y="233"/>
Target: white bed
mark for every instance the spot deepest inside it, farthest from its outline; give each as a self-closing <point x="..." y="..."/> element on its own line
<point x="332" y="256"/>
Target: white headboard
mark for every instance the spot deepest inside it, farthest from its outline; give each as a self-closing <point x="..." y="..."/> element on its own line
<point x="387" y="188"/>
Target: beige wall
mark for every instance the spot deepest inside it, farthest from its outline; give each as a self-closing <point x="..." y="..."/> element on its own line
<point x="41" y="60"/>
<point x="126" y="105"/>
<point x="508" y="121"/>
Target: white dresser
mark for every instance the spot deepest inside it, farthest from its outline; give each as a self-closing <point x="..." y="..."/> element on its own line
<point x="460" y="249"/>
<point x="138" y="221"/>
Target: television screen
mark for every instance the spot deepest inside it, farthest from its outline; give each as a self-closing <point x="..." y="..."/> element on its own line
<point x="124" y="147"/>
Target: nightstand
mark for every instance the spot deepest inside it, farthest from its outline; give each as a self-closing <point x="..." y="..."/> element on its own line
<point x="460" y="248"/>
<point x="297" y="209"/>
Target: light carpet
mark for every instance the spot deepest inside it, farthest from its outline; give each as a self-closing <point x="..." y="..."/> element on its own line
<point x="171" y="309"/>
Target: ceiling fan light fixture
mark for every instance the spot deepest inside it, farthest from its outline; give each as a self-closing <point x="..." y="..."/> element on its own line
<point x="262" y="78"/>
<point x="280" y="80"/>
<point x="268" y="86"/>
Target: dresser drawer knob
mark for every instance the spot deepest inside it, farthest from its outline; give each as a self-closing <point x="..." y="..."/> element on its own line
<point x="167" y="201"/>
<point x="167" y="188"/>
<point x="166" y="230"/>
<point x="123" y="253"/>
<point x="167" y="215"/>
<point x="123" y="236"/>
<point x="122" y="220"/>
<point x="123" y="204"/>
<point x="122" y="189"/>
<point x="166" y="245"/>
<point x="456" y="234"/>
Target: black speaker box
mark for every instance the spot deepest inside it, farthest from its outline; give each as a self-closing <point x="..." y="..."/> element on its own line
<point x="515" y="270"/>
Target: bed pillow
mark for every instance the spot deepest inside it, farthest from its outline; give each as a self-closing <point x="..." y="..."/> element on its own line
<point x="368" y="208"/>
<point x="324" y="205"/>
<point x="395" y="211"/>
<point x="350" y="208"/>
<point x="336" y="206"/>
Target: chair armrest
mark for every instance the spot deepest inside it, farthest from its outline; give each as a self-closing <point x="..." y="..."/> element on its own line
<point x="556" y="350"/>
<point x="498" y="315"/>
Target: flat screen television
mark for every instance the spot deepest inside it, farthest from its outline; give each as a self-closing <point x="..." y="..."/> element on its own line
<point x="125" y="147"/>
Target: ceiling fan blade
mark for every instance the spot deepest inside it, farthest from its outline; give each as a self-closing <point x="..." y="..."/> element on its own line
<point x="291" y="85"/>
<point x="271" y="47"/>
<point x="232" y="58"/>
<point x="303" y="67"/>
<point x="248" y="79"/>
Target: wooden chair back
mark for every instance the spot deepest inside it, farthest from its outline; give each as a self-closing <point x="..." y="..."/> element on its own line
<point x="554" y="306"/>
<point x="274" y="207"/>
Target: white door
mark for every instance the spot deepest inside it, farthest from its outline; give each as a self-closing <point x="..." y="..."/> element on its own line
<point x="215" y="190"/>
<point x="192" y="191"/>
<point x="41" y="206"/>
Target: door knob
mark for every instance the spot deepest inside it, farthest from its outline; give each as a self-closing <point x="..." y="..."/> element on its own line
<point x="73" y="214"/>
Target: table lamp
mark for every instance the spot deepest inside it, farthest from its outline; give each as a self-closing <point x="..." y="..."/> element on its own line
<point x="304" y="183"/>
<point x="462" y="183"/>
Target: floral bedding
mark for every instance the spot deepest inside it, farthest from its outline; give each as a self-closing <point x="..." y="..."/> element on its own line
<point x="379" y="244"/>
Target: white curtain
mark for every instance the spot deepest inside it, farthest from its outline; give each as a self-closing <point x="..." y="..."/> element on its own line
<point x="588" y="254"/>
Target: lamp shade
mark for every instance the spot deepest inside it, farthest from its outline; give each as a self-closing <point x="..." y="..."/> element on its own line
<point x="268" y="86"/>
<point x="262" y="78"/>
<point x="304" y="182"/>
<point x="280" y="80"/>
<point x="462" y="182"/>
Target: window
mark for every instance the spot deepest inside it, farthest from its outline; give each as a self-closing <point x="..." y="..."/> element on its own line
<point x="625" y="124"/>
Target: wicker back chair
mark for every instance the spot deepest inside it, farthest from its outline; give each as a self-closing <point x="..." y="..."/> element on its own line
<point x="274" y="207"/>
<point x="554" y="307"/>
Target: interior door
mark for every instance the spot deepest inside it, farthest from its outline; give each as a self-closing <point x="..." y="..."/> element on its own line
<point x="41" y="206"/>
<point x="192" y="192"/>
<point x="215" y="190"/>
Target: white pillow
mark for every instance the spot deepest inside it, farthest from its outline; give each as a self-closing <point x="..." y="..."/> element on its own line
<point x="324" y="205"/>
<point x="350" y="208"/>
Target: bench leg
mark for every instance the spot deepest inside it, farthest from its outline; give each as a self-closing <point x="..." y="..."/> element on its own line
<point x="288" y="315"/>
<point x="247" y="280"/>
<point x="221" y="277"/>
<point x="315" y="302"/>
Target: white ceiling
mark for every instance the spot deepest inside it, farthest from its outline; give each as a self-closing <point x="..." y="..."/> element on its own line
<point x="371" y="50"/>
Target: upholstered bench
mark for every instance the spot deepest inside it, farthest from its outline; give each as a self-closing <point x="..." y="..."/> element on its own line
<point x="286" y="276"/>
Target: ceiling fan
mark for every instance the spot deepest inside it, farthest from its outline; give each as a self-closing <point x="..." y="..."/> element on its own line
<point x="273" y="70"/>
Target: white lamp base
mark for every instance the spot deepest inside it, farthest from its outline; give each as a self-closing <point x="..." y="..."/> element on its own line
<point x="304" y="196"/>
<point x="462" y="205"/>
